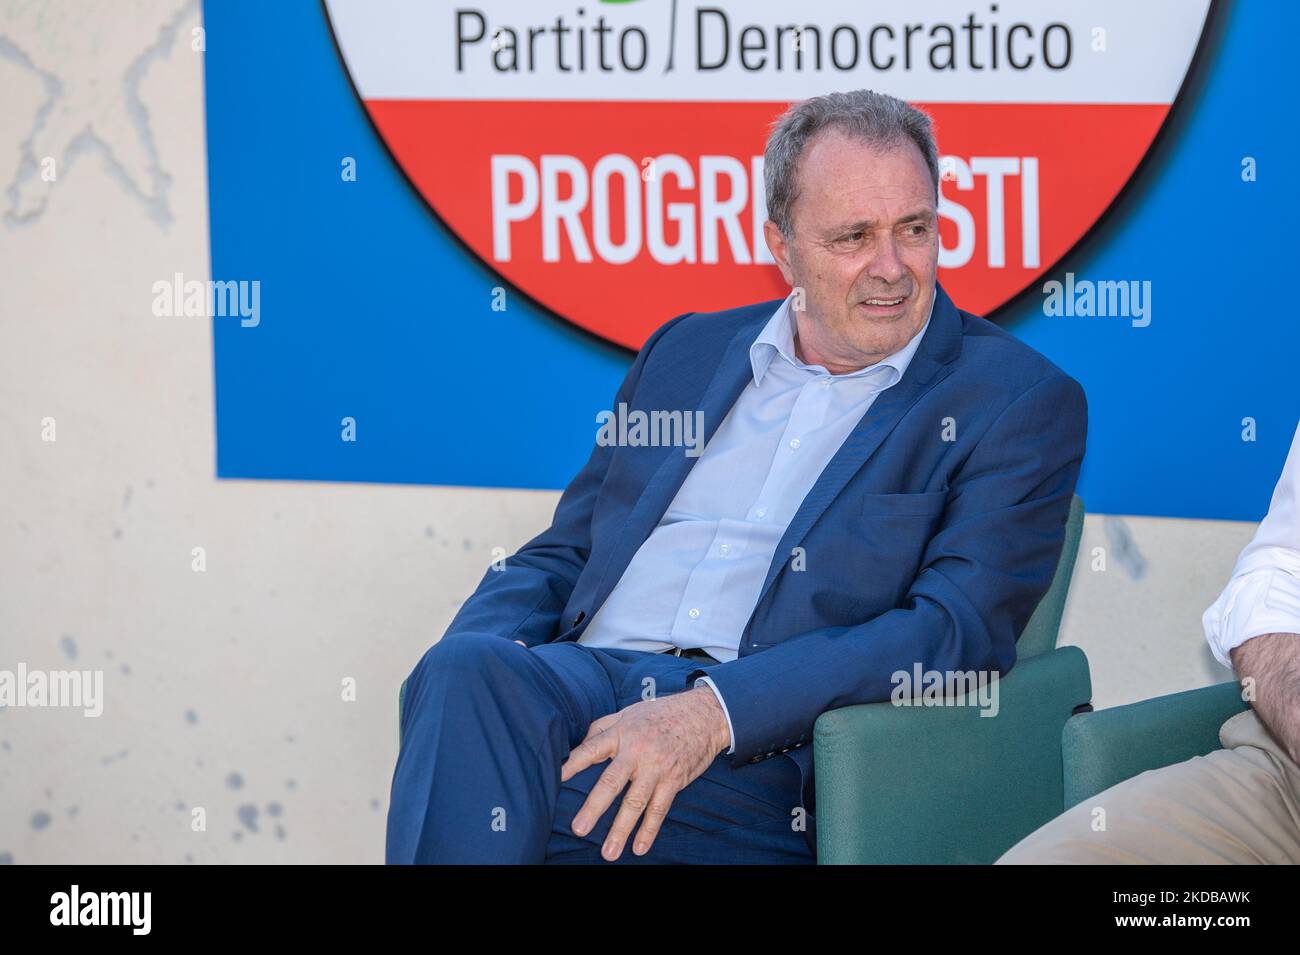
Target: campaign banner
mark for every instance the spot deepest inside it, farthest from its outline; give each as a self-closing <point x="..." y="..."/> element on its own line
<point x="456" y="221"/>
<point x="594" y="152"/>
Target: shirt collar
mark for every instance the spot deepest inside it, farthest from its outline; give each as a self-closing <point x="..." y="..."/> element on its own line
<point x="777" y="338"/>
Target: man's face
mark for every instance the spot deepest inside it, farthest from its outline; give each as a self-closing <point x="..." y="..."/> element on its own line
<point x="865" y="249"/>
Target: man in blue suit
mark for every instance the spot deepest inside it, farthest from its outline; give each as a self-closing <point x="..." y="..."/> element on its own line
<point x="884" y="483"/>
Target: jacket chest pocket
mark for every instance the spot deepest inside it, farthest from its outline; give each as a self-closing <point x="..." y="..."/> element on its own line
<point x="890" y="506"/>
<point x="892" y="532"/>
<point x="857" y="566"/>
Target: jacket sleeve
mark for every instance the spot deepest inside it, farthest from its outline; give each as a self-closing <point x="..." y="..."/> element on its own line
<point x="983" y="572"/>
<point x="524" y="599"/>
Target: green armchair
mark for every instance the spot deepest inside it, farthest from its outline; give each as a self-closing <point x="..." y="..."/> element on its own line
<point x="943" y="784"/>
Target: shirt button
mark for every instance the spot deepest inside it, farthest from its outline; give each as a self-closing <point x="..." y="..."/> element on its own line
<point x="693" y="612"/>
<point x="794" y="442"/>
<point x="760" y="512"/>
<point x="826" y="381"/>
<point x="725" y="548"/>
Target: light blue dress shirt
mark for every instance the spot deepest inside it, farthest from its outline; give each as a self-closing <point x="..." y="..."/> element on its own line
<point x="695" y="580"/>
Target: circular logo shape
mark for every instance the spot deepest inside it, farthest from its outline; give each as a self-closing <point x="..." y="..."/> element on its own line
<point x="606" y="158"/>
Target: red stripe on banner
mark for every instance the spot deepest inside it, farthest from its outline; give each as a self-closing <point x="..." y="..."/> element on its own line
<point x="1081" y="155"/>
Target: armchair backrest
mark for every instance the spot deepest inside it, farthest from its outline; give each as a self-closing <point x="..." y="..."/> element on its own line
<point x="1040" y="633"/>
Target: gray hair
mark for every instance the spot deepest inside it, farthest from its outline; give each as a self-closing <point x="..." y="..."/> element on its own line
<point x="874" y="118"/>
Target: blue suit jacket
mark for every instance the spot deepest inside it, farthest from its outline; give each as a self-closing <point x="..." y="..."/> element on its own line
<point x="929" y="538"/>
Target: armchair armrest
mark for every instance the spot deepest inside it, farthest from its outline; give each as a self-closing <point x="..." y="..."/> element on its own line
<point x="1109" y="746"/>
<point x="941" y="784"/>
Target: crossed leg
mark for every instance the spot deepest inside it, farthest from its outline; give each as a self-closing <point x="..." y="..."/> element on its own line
<point x="486" y="726"/>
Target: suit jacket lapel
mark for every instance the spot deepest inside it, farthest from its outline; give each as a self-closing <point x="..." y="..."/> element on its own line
<point x="728" y="381"/>
<point x="930" y="365"/>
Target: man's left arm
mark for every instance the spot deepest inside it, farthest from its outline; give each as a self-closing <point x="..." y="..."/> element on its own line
<point x="982" y="574"/>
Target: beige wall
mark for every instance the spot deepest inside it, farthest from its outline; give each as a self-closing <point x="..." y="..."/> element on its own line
<point x="236" y="672"/>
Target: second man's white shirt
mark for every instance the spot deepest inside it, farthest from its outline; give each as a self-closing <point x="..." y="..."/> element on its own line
<point x="1263" y="595"/>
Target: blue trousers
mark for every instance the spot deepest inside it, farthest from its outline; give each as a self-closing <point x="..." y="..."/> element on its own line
<point x="486" y="726"/>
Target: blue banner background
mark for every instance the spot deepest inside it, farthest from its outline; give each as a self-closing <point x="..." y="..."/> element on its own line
<point x="370" y="309"/>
